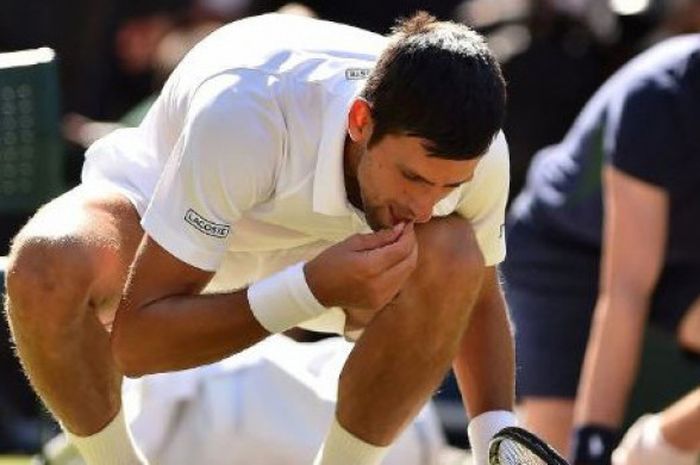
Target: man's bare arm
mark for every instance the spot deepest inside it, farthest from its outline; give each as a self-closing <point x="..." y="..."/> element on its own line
<point x="164" y="324"/>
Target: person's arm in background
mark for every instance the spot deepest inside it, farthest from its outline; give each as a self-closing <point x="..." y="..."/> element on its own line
<point x="634" y="241"/>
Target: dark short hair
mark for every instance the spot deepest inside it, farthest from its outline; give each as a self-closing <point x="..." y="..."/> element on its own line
<point x="438" y="81"/>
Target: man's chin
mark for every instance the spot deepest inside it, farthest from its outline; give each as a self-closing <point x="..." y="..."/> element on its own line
<point x="376" y="226"/>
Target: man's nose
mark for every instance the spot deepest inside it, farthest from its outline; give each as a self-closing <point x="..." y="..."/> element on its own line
<point x="422" y="211"/>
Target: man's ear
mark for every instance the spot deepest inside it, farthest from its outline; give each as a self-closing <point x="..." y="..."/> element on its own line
<point x="360" y="123"/>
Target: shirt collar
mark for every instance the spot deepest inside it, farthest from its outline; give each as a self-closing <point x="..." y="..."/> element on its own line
<point x="329" y="194"/>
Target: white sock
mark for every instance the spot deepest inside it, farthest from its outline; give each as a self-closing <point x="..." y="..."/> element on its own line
<point x="113" y="445"/>
<point x="481" y="430"/>
<point x="343" y="448"/>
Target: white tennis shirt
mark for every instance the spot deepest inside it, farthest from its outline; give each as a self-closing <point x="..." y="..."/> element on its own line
<point x="238" y="167"/>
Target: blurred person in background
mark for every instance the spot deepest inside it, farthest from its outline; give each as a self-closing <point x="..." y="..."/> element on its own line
<point x="554" y="64"/>
<point x="103" y="46"/>
<point x="372" y="15"/>
<point x="616" y="202"/>
<point x="556" y="53"/>
<point x="367" y="14"/>
<point x="166" y="48"/>
<point x="674" y="17"/>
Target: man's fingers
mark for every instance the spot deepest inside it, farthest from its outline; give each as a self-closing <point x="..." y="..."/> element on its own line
<point x="395" y="277"/>
<point x="407" y="265"/>
<point x="389" y="255"/>
<point x="377" y="239"/>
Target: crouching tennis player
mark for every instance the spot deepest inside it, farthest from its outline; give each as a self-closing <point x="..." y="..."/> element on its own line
<point x="292" y="172"/>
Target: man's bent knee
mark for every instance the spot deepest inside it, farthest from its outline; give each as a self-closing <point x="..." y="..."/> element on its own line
<point x="448" y="276"/>
<point x="71" y="258"/>
<point x="449" y="252"/>
<point x="48" y="280"/>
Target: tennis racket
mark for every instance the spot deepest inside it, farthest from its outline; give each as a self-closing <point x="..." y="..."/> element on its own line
<point x="515" y="446"/>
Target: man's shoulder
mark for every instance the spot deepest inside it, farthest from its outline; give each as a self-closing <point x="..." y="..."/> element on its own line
<point x="495" y="163"/>
<point x="277" y="55"/>
<point x="277" y="44"/>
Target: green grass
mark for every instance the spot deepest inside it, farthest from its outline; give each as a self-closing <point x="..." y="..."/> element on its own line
<point x="12" y="460"/>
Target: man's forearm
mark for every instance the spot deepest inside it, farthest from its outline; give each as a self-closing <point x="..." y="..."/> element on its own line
<point x="184" y="331"/>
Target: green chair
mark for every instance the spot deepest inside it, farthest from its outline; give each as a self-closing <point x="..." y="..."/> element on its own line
<point x="664" y="376"/>
<point x="31" y="152"/>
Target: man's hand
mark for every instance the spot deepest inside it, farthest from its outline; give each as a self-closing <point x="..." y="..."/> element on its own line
<point x="365" y="271"/>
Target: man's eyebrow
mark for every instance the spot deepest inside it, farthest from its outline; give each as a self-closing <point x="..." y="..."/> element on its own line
<point x="420" y="178"/>
<point x="459" y="183"/>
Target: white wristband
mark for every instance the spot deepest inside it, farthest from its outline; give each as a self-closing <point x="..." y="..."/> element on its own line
<point x="283" y="300"/>
<point x="481" y="430"/>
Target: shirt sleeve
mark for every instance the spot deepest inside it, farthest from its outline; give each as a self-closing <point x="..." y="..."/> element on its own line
<point x="223" y="164"/>
<point x="484" y="201"/>
<point x="639" y="134"/>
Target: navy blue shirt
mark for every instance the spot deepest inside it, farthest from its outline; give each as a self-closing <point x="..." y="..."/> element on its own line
<point x="645" y="121"/>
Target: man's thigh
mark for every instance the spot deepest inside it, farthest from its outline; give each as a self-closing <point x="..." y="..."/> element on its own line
<point x="90" y="232"/>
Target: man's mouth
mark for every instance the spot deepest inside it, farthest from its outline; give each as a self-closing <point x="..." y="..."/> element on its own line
<point x="395" y="218"/>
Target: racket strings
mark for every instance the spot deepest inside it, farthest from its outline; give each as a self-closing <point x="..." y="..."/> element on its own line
<point x="514" y="453"/>
<point x="516" y="446"/>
